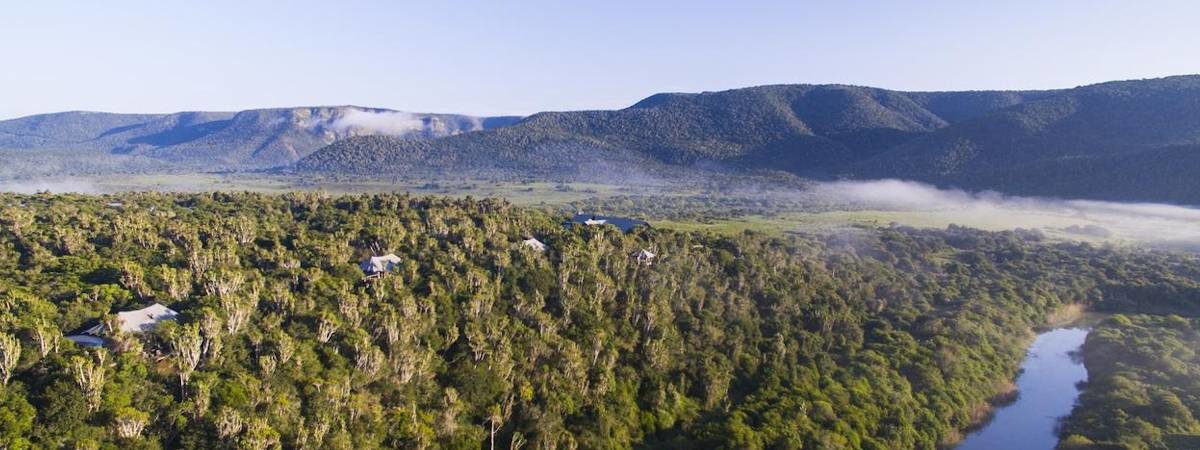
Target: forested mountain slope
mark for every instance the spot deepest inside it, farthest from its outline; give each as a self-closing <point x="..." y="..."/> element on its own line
<point x="1128" y="140"/>
<point x="880" y="339"/>
<point x="253" y="138"/>
<point x="802" y="128"/>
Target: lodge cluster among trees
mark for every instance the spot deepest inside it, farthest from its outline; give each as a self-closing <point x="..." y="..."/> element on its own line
<point x="879" y="339"/>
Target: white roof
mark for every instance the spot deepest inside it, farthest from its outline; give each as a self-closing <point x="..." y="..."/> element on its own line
<point x="534" y="244"/>
<point x="140" y="320"/>
<point x="643" y="253"/>
<point x="595" y="221"/>
<point x="380" y="264"/>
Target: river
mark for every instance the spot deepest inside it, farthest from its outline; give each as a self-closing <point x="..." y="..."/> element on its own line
<point x="1047" y="387"/>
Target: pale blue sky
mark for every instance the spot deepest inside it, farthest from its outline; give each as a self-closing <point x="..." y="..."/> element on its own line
<point x="518" y="57"/>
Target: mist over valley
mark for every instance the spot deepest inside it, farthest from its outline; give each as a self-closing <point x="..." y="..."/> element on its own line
<point x="600" y="225"/>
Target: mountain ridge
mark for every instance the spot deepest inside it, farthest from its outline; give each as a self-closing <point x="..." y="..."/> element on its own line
<point x="1103" y="141"/>
<point x="1111" y="141"/>
<point x="252" y="138"/>
<point x="1117" y="130"/>
<point x="737" y="127"/>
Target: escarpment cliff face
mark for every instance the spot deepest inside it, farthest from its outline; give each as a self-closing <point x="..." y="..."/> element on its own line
<point x="234" y="140"/>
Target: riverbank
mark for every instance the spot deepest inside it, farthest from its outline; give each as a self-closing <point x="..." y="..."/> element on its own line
<point x="1074" y="315"/>
<point x="1046" y="389"/>
<point x="1007" y="392"/>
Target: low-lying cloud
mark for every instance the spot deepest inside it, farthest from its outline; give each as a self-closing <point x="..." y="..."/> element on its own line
<point x="391" y="123"/>
<point x="54" y="186"/>
<point x="1149" y="223"/>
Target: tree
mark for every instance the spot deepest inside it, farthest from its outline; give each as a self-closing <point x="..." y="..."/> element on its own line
<point x="368" y="359"/>
<point x="10" y="356"/>
<point x="46" y="336"/>
<point x="327" y="324"/>
<point x="495" y="419"/>
<point x="186" y="350"/>
<point x="133" y="278"/>
<point x="16" y="420"/>
<point x="89" y="374"/>
<point x="210" y="330"/>
<point x="258" y="435"/>
<point x="18" y="220"/>
<point x="176" y="282"/>
<point x="229" y="423"/>
<point x="128" y="423"/>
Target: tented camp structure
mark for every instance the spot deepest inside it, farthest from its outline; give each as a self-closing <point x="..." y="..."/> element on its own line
<point x="534" y="244"/>
<point x="626" y="224"/>
<point x="136" y="321"/>
<point x="87" y="341"/>
<point x="376" y="266"/>
<point x="644" y="257"/>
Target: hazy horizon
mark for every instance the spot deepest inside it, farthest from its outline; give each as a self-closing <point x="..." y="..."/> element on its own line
<point x="490" y="59"/>
<point x="401" y="109"/>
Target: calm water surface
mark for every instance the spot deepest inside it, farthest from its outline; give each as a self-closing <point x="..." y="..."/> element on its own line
<point x="1048" y="392"/>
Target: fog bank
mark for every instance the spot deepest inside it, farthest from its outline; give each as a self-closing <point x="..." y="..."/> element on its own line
<point x="55" y="186"/>
<point x="391" y="123"/>
<point x="1149" y="223"/>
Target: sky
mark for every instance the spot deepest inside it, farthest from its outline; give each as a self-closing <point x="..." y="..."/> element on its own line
<point x="520" y="57"/>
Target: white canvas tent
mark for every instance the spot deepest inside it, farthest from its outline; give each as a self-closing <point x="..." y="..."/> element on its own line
<point x="377" y="265"/>
<point x="534" y="244"/>
<point x="137" y="321"/>
<point x="646" y="257"/>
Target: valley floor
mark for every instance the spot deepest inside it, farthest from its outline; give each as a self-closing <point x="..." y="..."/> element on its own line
<point x="724" y="207"/>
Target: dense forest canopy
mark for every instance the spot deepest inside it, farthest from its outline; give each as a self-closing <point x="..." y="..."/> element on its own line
<point x="874" y="338"/>
<point x="1143" y="389"/>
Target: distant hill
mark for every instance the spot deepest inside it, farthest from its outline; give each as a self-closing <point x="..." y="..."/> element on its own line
<point x="247" y="139"/>
<point x="799" y="128"/>
<point x="1128" y="140"/>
